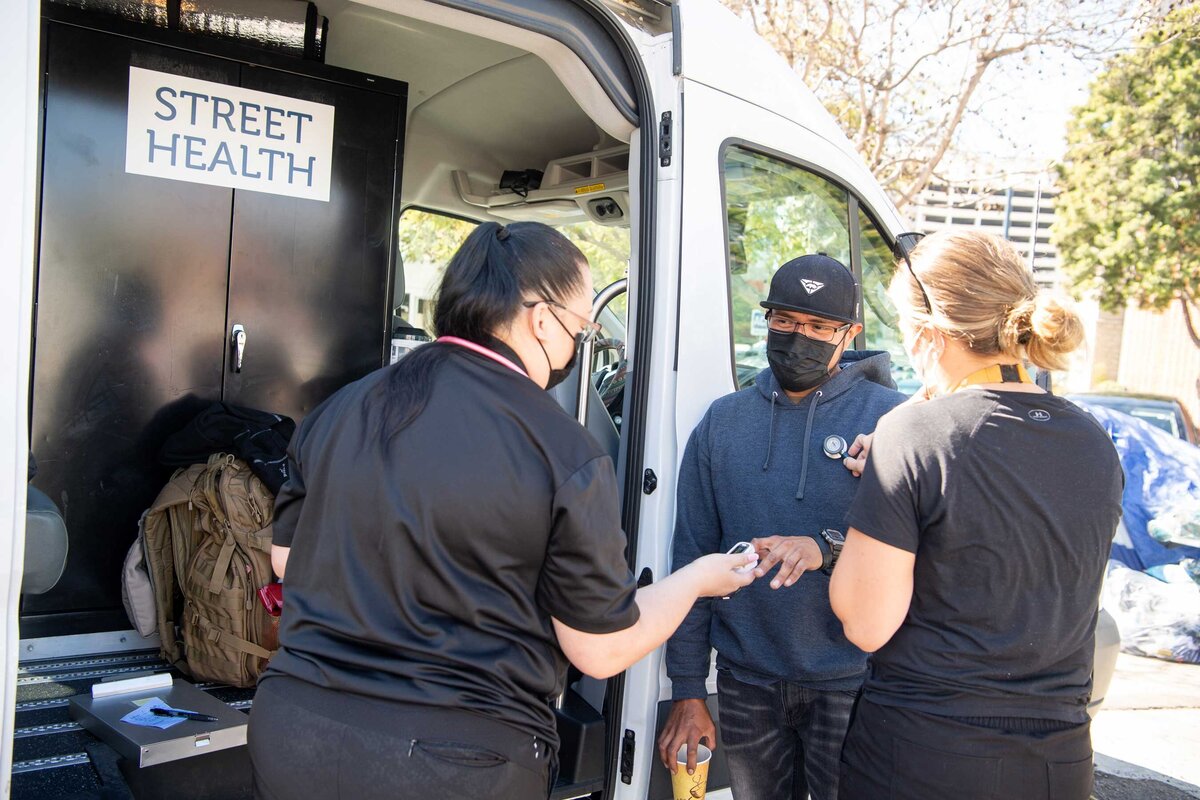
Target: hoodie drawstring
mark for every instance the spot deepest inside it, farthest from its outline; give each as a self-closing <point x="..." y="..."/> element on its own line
<point x="771" y="430"/>
<point x="812" y="410"/>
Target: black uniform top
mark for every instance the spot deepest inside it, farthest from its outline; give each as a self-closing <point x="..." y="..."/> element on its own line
<point x="425" y="569"/>
<point x="1010" y="502"/>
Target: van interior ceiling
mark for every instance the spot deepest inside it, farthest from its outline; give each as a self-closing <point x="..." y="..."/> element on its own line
<point x="141" y="280"/>
<point x="486" y="98"/>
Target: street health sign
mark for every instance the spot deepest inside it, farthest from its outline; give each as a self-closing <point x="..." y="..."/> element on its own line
<point x="191" y="130"/>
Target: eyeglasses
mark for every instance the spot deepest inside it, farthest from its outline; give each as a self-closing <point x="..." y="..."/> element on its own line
<point x="817" y="331"/>
<point x="905" y="243"/>
<point x="588" y="331"/>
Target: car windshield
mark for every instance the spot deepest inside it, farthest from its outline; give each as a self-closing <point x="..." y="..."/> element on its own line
<point x="1158" y="413"/>
<point x="1158" y="417"/>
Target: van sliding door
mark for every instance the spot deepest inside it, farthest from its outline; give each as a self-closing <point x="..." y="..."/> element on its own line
<point x="758" y="189"/>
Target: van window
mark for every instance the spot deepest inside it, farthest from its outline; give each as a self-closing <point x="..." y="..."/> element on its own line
<point x="881" y="326"/>
<point x="427" y="242"/>
<point x="775" y="211"/>
<point x="607" y="251"/>
<point x="607" y="248"/>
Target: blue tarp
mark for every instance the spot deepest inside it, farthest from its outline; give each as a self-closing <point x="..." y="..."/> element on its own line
<point x="1162" y="473"/>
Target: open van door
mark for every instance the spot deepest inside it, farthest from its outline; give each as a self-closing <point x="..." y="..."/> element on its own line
<point x="761" y="173"/>
<point x="18" y="173"/>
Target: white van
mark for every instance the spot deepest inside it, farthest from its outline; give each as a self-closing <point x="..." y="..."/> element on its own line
<point x="149" y="272"/>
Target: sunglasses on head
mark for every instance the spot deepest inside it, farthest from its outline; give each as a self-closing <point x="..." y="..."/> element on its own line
<point x="905" y="243"/>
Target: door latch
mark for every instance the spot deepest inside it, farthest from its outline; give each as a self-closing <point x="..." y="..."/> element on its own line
<point x="665" y="145"/>
<point x="628" y="747"/>
<point x="237" y="338"/>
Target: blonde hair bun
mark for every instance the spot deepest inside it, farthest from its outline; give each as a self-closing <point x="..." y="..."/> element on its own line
<point x="1055" y="331"/>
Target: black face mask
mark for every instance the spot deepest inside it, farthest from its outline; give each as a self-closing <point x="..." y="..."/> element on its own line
<point x="798" y="362"/>
<point x="560" y="374"/>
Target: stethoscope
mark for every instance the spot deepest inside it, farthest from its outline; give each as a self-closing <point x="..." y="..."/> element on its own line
<point x="835" y="447"/>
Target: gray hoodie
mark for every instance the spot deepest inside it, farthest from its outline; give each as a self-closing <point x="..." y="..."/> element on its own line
<point x="755" y="467"/>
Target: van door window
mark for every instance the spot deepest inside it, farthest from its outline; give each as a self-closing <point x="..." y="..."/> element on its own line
<point x="775" y="211"/>
<point x="427" y="242"/>
<point x="880" y="321"/>
<point x="607" y="251"/>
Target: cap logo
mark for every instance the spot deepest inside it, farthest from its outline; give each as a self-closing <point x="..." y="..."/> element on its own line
<point x="812" y="287"/>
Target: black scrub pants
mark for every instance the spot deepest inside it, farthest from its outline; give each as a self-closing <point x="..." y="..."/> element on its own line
<point x="903" y="754"/>
<point x="310" y="743"/>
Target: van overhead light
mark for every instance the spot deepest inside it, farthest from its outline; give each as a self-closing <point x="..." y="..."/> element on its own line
<point x="520" y="181"/>
<point x="606" y="208"/>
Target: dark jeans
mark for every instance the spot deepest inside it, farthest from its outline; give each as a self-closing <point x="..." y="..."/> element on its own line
<point x="298" y="753"/>
<point x="908" y="755"/>
<point x="782" y="742"/>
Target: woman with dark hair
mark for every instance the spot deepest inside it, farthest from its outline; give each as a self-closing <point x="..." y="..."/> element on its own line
<point x="977" y="545"/>
<point x="451" y="538"/>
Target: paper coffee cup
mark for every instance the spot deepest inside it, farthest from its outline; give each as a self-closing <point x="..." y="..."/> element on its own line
<point x="691" y="787"/>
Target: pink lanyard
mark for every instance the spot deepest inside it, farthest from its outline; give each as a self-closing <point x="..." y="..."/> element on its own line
<point x="483" y="351"/>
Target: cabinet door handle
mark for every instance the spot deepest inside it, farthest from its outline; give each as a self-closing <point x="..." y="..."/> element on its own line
<point x="237" y="339"/>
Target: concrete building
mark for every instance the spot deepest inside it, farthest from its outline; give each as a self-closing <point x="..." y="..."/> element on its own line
<point x="1021" y="214"/>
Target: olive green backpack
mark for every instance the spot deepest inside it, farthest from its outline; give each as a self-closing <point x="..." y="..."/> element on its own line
<point x="206" y="544"/>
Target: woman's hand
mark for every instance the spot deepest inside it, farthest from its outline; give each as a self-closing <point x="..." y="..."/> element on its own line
<point x="716" y="575"/>
<point x="857" y="452"/>
<point x="796" y="555"/>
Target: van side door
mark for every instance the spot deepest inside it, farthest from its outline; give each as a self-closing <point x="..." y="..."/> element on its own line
<point x="754" y="188"/>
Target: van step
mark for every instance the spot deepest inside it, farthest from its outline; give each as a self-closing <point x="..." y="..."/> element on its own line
<point x="76" y="781"/>
<point x="85" y="675"/>
<point x="56" y="665"/>
<point x="45" y="730"/>
<point x="53" y="762"/>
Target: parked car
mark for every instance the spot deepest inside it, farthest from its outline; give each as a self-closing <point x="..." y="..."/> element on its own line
<point x="1159" y="410"/>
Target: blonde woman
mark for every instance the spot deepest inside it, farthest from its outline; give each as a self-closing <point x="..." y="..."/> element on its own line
<point x="976" y="546"/>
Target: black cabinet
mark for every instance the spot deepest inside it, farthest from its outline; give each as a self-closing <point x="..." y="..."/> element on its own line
<point x="141" y="280"/>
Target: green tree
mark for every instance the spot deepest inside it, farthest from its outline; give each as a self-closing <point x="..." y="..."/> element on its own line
<point x="1127" y="224"/>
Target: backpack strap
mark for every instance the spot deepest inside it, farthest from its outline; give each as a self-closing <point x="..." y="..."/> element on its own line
<point x="226" y="639"/>
<point x="217" y="582"/>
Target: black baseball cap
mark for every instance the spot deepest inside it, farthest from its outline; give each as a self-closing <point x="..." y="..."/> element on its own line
<point x="815" y="284"/>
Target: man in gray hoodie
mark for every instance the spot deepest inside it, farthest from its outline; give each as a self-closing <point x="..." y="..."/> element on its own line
<point x="765" y="465"/>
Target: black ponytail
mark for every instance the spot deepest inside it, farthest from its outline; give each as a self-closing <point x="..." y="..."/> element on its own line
<point x="481" y="292"/>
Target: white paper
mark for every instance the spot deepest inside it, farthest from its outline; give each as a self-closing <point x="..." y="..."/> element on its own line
<point x="203" y="132"/>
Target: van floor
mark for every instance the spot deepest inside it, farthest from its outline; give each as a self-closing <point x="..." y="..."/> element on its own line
<point x="51" y="757"/>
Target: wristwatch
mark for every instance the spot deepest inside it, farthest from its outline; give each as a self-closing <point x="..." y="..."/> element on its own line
<point x="831" y="541"/>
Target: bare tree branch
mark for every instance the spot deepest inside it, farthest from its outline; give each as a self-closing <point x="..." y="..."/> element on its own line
<point x="901" y="77"/>
<point x="1186" y="303"/>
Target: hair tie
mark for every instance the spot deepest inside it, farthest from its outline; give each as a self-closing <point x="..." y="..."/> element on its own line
<point x="502" y="233"/>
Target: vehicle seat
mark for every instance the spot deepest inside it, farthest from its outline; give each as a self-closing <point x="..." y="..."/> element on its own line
<point x="599" y="423"/>
<point x="45" y="544"/>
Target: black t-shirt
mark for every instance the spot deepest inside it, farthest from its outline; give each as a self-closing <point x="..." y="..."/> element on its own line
<point x="425" y="569"/>
<point x="1009" y="501"/>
